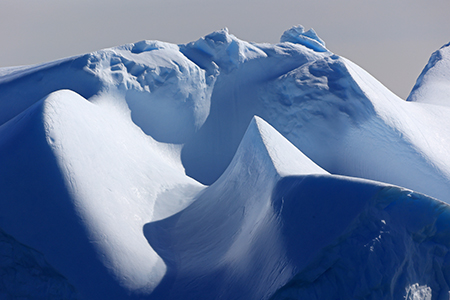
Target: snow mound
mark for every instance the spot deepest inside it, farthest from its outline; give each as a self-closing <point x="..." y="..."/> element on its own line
<point x="168" y="96"/>
<point x="298" y="35"/>
<point x="98" y="177"/>
<point x="433" y="84"/>
<point x="221" y="49"/>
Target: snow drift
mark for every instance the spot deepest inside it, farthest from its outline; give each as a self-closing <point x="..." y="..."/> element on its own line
<point x="222" y="169"/>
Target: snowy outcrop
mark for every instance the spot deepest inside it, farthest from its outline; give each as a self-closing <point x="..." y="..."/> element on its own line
<point x="221" y="50"/>
<point x="433" y="84"/>
<point x="285" y="157"/>
<point x="168" y="95"/>
<point x="310" y="39"/>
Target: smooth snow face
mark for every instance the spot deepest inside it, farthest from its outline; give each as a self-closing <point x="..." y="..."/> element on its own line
<point x="411" y="139"/>
<point x="110" y="180"/>
<point x="433" y="84"/>
<point x="231" y="234"/>
<point x="286" y="158"/>
<point x="116" y="175"/>
<point x="254" y="234"/>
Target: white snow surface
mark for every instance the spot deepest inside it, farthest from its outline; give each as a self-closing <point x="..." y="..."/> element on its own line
<point x="432" y="86"/>
<point x="223" y="169"/>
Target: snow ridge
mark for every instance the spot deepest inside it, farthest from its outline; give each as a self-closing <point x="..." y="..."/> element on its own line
<point x="211" y="237"/>
<point x="432" y="85"/>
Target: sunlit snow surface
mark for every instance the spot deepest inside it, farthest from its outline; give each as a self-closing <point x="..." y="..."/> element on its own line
<point x="222" y="169"/>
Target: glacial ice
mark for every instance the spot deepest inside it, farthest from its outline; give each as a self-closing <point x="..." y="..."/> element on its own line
<point x="223" y="169"/>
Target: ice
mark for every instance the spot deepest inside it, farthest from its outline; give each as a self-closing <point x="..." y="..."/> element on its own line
<point x="223" y="169"/>
<point x="93" y="180"/>
<point x="225" y="50"/>
<point x="25" y="274"/>
<point x="339" y="236"/>
<point x="310" y="39"/>
<point x="372" y="260"/>
<point x="432" y="86"/>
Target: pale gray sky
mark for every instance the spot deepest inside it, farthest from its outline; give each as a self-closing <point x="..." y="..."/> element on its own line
<point x="391" y="39"/>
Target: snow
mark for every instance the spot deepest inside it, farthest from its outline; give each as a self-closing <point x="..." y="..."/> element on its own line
<point x="223" y="49"/>
<point x="420" y="133"/>
<point x="278" y="149"/>
<point x="403" y="257"/>
<point x="222" y="169"/>
<point x="297" y="35"/>
<point x="432" y="86"/>
<point x="24" y="274"/>
<point x="111" y="176"/>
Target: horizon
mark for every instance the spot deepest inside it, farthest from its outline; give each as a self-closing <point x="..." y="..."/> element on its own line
<point x="391" y="41"/>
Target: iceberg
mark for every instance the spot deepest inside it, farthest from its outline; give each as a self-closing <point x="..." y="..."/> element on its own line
<point x="223" y="169"/>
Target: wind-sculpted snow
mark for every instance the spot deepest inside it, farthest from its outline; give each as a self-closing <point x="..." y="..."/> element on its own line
<point x="220" y="50"/>
<point x="397" y="248"/>
<point x="433" y="84"/>
<point x="297" y="35"/>
<point x="223" y="169"/>
<point x="93" y="179"/>
<point x="22" y="87"/>
<point x="216" y="246"/>
<point x="302" y="236"/>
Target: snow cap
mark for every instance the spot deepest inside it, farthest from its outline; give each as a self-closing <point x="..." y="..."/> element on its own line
<point x="298" y="35"/>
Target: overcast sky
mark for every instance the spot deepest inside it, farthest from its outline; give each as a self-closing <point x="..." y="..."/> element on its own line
<point x="391" y="39"/>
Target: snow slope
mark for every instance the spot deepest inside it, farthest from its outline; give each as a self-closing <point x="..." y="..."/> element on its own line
<point x="24" y="274"/>
<point x="396" y="248"/>
<point x="432" y="86"/>
<point x="204" y="94"/>
<point x="80" y="182"/>
<point x="222" y="169"/>
<point x="266" y="229"/>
